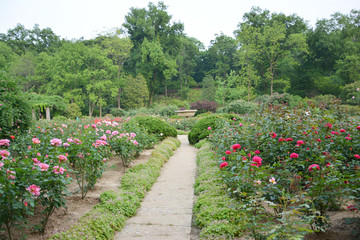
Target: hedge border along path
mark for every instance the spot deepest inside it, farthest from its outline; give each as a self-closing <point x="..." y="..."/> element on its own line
<point x="109" y="217"/>
<point x="215" y="213"/>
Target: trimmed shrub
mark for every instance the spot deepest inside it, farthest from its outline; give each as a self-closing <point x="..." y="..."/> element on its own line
<point x="156" y="126"/>
<point x="200" y="129"/>
<point x="204" y="106"/>
<point x="240" y="107"/>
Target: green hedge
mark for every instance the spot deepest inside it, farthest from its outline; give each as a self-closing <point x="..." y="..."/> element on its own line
<point x="216" y="214"/>
<point x="156" y="126"/>
<point x="109" y="217"/>
<point x="200" y="130"/>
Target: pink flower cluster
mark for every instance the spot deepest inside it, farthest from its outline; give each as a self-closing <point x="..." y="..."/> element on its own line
<point x="34" y="190"/>
<point x="257" y="161"/>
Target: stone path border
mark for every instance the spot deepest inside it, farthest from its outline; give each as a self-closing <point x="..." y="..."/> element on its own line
<point x="166" y="211"/>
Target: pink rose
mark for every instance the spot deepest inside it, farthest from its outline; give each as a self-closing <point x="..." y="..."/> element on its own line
<point x="55" y="142"/>
<point x="236" y="146"/>
<point x="223" y="164"/>
<point x="294" y="155"/>
<point x="62" y="158"/>
<point x="4" y="142"/>
<point x="313" y="167"/>
<point x="257" y="161"/>
<point x="43" y="166"/>
<point x="34" y="190"/>
<point x="35" y="140"/>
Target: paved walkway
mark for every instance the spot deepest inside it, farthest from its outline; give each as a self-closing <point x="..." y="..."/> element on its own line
<point x="166" y="211"/>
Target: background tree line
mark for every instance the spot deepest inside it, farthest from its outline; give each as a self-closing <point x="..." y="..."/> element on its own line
<point x="150" y="55"/>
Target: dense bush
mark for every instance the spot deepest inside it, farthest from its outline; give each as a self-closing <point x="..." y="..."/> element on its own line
<point x="201" y="128"/>
<point x="117" y="112"/>
<point x="73" y="111"/>
<point x="240" y="107"/>
<point x="165" y="110"/>
<point x="15" y="112"/>
<point x="156" y="126"/>
<point x="183" y="123"/>
<point x="277" y="99"/>
<point x="204" y="106"/>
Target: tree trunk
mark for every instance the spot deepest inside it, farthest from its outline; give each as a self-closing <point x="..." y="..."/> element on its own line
<point x="48" y="113"/>
<point x="119" y="97"/>
<point x="33" y="114"/>
<point x="100" y="110"/>
<point x="90" y="110"/>
<point x="166" y="95"/>
<point x="272" y="79"/>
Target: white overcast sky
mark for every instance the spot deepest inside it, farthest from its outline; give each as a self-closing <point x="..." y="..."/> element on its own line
<point x="72" y="19"/>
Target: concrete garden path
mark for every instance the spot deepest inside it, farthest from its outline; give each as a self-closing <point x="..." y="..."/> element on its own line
<point x="166" y="210"/>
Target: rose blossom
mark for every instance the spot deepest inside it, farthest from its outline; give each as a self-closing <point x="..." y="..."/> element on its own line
<point x="43" y="166"/>
<point x="223" y="164"/>
<point x="313" y="167"/>
<point x="257" y="161"/>
<point x="236" y="146"/>
<point x="209" y="128"/>
<point x="257" y="152"/>
<point x="4" y="142"/>
<point x="4" y="153"/>
<point x="55" y="142"/>
<point x="35" y="140"/>
<point x="356" y="156"/>
<point x="62" y="158"/>
<point x="294" y="155"/>
<point x="34" y="190"/>
<point x="257" y="182"/>
<point x="58" y="170"/>
<point x="228" y="152"/>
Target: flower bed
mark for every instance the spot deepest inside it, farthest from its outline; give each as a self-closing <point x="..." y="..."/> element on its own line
<point x="301" y="165"/>
<point x="35" y="169"/>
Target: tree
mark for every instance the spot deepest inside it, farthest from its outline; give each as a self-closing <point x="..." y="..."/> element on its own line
<point x="118" y="50"/>
<point x="156" y="39"/>
<point x="136" y="94"/>
<point x="209" y="89"/>
<point x="38" y="40"/>
<point x="269" y="46"/>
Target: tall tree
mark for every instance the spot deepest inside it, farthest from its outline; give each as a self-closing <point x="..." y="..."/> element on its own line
<point x="152" y="29"/>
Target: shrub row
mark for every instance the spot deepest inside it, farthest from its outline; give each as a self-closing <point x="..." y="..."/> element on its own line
<point x="108" y="217"/>
<point x="216" y="214"/>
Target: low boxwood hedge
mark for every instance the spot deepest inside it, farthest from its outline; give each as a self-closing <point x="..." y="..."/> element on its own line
<point x="216" y="214"/>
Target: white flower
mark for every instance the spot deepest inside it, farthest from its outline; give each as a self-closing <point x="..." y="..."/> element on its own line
<point x="272" y="180"/>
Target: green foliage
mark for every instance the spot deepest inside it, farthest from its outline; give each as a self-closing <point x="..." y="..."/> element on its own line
<point x="350" y="93"/>
<point x="165" y="110"/>
<point x="135" y="93"/>
<point x="240" y="107"/>
<point x="209" y="89"/>
<point x="15" y="111"/>
<point x="277" y="99"/>
<point x="218" y="215"/>
<point x="73" y="111"/>
<point x="118" y="112"/>
<point x="200" y="130"/>
<point x="156" y="126"/>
